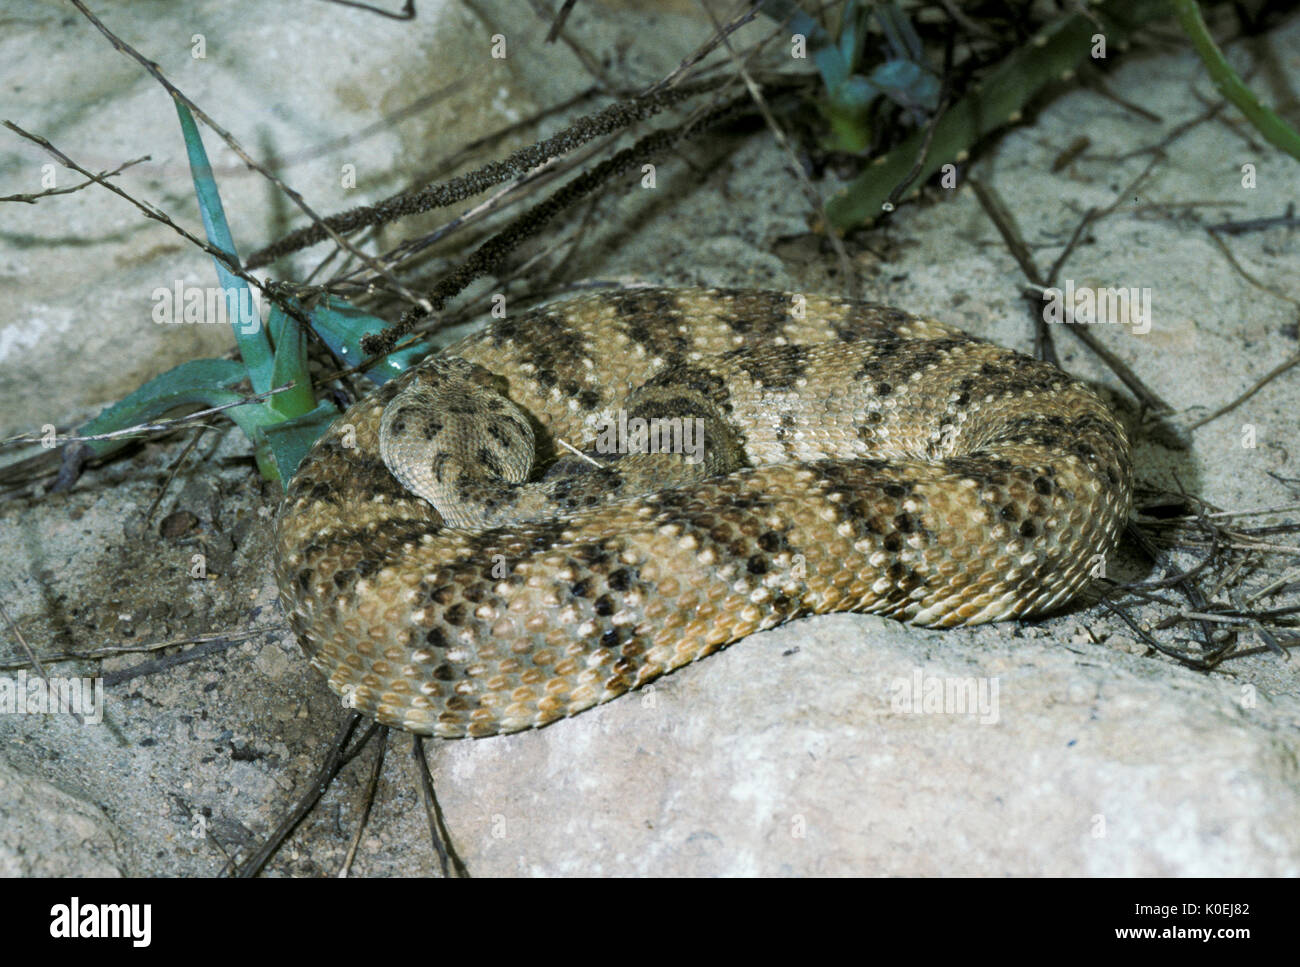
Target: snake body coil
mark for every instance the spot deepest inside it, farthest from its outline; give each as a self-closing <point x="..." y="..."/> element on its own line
<point x="847" y="457"/>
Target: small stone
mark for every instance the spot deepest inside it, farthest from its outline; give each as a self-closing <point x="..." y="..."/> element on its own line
<point x="177" y="524"/>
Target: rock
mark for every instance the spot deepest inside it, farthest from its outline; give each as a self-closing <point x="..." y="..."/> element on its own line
<point x="46" y="830"/>
<point x="801" y="751"/>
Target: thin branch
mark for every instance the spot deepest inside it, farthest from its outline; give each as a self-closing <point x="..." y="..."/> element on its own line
<point x="945" y="94"/>
<point x="234" y="145"/>
<point x="1178" y="131"/>
<point x="1096" y="80"/>
<point x="31" y="657"/>
<point x="1259" y="384"/>
<point x="606" y="121"/>
<point x="490" y="253"/>
<point x="703" y="51"/>
<point x="1262" y="286"/>
<point x="367" y="802"/>
<point x="558" y="23"/>
<point x="1288" y="219"/>
<point x="163" y="426"/>
<point x="438" y="832"/>
<point x="149" y="211"/>
<point x="406" y="13"/>
<point x="331" y="767"/>
<point x="175" y="469"/>
<point x="810" y="193"/>
<point x="112" y="651"/>
<point x="589" y="62"/>
<point x="31" y="199"/>
<point x="157" y="666"/>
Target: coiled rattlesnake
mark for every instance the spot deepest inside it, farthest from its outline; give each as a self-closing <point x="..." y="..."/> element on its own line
<point x="837" y="456"/>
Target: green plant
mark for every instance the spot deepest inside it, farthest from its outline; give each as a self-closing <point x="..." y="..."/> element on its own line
<point x="903" y="77"/>
<point x="273" y="358"/>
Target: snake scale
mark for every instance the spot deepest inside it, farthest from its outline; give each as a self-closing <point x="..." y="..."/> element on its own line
<point x="848" y="457"/>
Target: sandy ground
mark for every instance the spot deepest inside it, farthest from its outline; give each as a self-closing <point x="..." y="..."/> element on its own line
<point x="787" y="753"/>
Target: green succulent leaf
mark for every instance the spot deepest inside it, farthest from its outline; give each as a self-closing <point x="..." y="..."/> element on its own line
<point x="289" y="366"/>
<point x="250" y="337"/>
<point x="289" y="440"/>
<point x="199" y="383"/>
<point x="341" y="326"/>
<point x="1006" y="91"/>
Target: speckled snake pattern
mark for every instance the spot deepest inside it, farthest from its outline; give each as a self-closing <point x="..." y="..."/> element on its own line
<point x="871" y="460"/>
